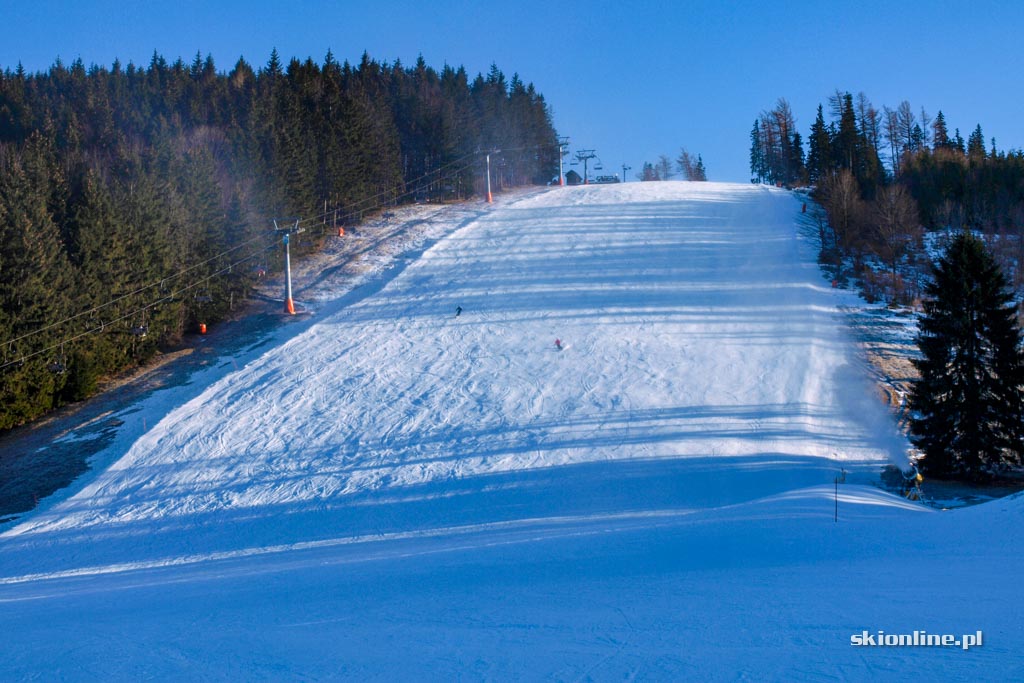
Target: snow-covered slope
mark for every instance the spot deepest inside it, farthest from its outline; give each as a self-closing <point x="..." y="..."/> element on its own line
<point x="400" y="491"/>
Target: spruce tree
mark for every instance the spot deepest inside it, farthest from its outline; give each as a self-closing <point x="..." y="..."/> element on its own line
<point x="976" y="145"/>
<point x="968" y="401"/>
<point x="819" y="157"/>
<point x="940" y="136"/>
<point x="756" y="154"/>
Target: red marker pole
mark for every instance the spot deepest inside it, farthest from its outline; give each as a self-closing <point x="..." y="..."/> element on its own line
<point x="289" y="305"/>
<point x="561" y="176"/>
<point x="490" y="199"/>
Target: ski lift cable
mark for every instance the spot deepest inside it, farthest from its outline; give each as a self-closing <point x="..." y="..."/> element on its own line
<point x="130" y="314"/>
<point x="159" y="283"/>
<point x="367" y="202"/>
<point x="138" y="291"/>
<point x="372" y="200"/>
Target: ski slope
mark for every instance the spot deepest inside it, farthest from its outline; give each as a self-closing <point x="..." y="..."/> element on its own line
<point x="390" y="490"/>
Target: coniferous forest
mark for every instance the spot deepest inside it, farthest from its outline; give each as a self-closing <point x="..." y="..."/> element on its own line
<point x="885" y="179"/>
<point x="136" y="202"/>
<point x="880" y="224"/>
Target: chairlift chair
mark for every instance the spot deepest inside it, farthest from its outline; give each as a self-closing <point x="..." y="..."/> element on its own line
<point x="60" y="364"/>
<point x="142" y="329"/>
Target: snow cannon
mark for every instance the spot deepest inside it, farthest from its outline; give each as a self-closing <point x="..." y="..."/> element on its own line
<point x="202" y="328"/>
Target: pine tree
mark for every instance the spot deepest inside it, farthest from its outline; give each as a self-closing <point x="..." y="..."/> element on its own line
<point x="819" y="156"/>
<point x="34" y="290"/>
<point x="845" y="146"/>
<point x="700" y="172"/>
<point x="797" y="172"/>
<point x="940" y="135"/>
<point x="126" y="185"/>
<point x="976" y="145"/>
<point x="968" y="401"/>
<point x="959" y="142"/>
<point x="648" y="173"/>
<point x="756" y="154"/>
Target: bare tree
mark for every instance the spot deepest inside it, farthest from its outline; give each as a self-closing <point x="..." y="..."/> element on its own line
<point x="841" y="199"/>
<point x="835" y="104"/>
<point x="899" y="127"/>
<point x="897" y="230"/>
<point x="905" y="121"/>
<point x="686" y="164"/>
<point x="781" y="147"/>
<point x="664" y="167"/>
<point x="691" y="168"/>
<point x="926" y="127"/>
<point x="870" y="122"/>
<point x="951" y="215"/>
<point x="892" y="136"/>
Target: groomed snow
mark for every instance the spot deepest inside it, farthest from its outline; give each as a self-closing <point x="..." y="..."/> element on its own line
<point x="392" y="491"/>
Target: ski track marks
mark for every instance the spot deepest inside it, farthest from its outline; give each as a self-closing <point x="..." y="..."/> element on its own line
<point x="692" y="326"/>
<point x="654" y="501"/>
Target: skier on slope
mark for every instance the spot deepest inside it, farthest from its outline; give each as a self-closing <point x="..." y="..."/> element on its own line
<point x="558" y="344"/>
<point x="458" y="311"/>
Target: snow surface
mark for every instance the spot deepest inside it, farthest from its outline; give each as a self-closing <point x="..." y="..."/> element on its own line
<point x="388" y="491"/>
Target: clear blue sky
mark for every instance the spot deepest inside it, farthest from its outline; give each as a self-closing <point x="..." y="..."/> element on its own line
<point x="631" y="80"/>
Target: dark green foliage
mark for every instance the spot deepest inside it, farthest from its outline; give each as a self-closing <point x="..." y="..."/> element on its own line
<point x="128" y="195"/>
<point x="819" y="156"/>
<point x="35" y="286"/>
<point x="940" y="134"/>
<point x="968" y="400"/>
<point x="758" y="170"/>
<point x="700" y="173"/>
<point x="954" y="185"/>
<point x="976" y="145"/>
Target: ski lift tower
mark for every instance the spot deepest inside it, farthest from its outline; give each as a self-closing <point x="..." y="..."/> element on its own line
<point x="585" y="155"/>
<point x="562" y="151"/>
<point x="289" y="304"/>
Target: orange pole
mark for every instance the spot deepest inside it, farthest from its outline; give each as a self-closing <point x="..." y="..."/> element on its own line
<point x="490" y="199"/>
<point x="289" y="304"/>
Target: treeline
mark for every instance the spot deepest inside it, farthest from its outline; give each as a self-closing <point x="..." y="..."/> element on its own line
<point x="136" y="202"/>
<point x="688" y="167"/>
<point x="887" y="177"/>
